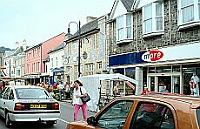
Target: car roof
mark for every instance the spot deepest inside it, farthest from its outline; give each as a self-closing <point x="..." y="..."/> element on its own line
<point x="194" y="102"/>
<point x="25" y="86"/>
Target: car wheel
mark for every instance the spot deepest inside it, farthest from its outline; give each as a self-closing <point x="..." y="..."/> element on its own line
<point x="50" y="123"/>
<point x="8" y="122"/>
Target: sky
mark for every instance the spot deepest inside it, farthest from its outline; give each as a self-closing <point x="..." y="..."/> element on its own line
<point x="38" y="20"/>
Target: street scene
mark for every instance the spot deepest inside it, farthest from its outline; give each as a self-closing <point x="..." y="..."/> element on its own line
<point x="117" y="64"/>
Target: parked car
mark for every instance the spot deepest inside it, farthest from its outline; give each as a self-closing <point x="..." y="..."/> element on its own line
<point x="146" y="112"/>
<point x="28" y="103"/>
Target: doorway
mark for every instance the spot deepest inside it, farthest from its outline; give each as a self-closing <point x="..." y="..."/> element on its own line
<point x="164" y="81"/>
<point x="158" y="82"/>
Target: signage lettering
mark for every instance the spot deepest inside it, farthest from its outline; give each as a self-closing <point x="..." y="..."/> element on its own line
<point x="152" y="55"/>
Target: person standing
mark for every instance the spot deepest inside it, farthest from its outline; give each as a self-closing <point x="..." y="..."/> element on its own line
<point x="79" y="91"/>
<point x="116" y="89"/>
<point x="146" y="91"/>
<point x="195" y="85"/>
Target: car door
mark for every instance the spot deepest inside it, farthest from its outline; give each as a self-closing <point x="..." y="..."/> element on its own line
<point x="2" y="102"/>
<point x="115" y="115"/>
<point x="152" y="115"/>
<point x="5" y="99"/>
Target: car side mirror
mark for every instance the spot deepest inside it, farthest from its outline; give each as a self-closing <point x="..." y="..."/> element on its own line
<point x="92" y="120"/>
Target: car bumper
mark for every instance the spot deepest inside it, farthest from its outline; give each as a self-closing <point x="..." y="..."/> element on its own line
<point x="34" y="117"/>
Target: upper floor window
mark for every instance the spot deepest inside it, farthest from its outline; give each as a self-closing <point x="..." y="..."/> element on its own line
<point x="153" y="18"/>
<point x="124" y="28"/>
<point x="189" y="11"/>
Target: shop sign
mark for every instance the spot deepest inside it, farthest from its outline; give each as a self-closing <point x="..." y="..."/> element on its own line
<point x="152" y="55"/>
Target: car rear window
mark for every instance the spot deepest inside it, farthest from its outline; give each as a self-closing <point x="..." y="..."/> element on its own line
<point x="198" y="116"/>
<point x="32" y="93"/>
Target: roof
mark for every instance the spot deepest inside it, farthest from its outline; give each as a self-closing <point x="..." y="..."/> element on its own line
<point x="111" y="77"/>
<point x="128" y="4"/>
<point x="43" y="42"/>
<point x="88" y="27"/>
<point x="25" y="86"/>
<point x="193" y="101"/>
<point x="61" y="46"/>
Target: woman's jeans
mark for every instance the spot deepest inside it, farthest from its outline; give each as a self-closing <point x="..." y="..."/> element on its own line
<point x="84" y="110"/>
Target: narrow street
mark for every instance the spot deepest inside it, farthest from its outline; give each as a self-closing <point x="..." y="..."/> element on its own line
<point x="66" y="116"/>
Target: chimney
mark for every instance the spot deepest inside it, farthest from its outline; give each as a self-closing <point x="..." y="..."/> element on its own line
<point x="90" y="18"/>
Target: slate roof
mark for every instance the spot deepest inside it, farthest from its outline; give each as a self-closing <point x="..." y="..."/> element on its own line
<point x="128" y="4"/>
<point x="90" y="26"/>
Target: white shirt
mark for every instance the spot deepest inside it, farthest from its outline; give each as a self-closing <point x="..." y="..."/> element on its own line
<point x="78" y="92"/>
<point x="195" y="78"/>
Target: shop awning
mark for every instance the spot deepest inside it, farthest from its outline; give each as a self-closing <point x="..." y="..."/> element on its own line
<point x="56" y="70"/>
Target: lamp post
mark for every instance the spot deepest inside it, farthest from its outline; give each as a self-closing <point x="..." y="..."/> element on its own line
<point x="79" y="43"/>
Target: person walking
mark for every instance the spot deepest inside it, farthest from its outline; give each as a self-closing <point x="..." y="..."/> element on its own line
<point x="79" y="91"/>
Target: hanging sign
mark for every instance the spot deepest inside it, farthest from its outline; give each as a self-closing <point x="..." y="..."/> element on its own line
<point x="152" y="55"/>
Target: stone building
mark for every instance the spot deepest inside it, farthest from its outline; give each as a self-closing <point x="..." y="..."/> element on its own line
<point x="93" y="50"/>
<point x="165" y="44"/>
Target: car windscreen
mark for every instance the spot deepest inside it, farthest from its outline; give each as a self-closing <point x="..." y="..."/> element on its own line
<point x="198" y="116"/>
<point x="32" y="93"/>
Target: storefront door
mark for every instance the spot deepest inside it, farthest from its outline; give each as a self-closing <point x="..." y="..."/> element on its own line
<point x="176" y="83"/>
<point x="164" y="83"/>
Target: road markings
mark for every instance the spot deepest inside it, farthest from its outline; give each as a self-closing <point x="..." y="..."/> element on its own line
<point x="64" y="121"/>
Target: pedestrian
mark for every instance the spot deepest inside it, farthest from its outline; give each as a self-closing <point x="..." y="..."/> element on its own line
<point x="79" y="91"/>
<point x="116" y="90"/>
<point x="194" y="84"/>
<point x="146" y="91"/>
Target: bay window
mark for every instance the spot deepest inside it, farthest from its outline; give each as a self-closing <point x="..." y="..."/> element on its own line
<point x="188" y="12"/>
<point x="153" y="15"/>
<point x="124" y="28"/>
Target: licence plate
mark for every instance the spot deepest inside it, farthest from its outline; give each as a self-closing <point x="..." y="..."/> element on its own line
<point x="38" y="106"/>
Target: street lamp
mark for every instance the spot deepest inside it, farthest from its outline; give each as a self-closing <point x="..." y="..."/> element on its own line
<point x="79" y="43"/>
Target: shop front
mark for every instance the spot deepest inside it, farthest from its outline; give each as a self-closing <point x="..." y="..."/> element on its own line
<point x="173" y="71"/>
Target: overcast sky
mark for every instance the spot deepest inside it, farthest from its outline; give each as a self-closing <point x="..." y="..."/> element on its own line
<point x="38" y="20"/>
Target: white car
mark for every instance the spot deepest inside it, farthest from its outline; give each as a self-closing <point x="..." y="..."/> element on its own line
<point x="28" y="103"/>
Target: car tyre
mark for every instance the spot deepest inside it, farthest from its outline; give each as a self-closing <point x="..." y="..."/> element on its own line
<point x="50" y="123"/>
<point x="8" y="122"/>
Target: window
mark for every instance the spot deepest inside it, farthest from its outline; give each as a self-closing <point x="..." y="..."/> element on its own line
<point x="56" y="61"/>
<point x="124" y="27"/>
<point x="189" y="12"/>
<point x="153" y="15"/>
<point x="150" y="115"/>
<point x="99" y="65"/>
<point x="52" y="62"/>
<point x="31" y="93"/>
<point x="115" y="116"/>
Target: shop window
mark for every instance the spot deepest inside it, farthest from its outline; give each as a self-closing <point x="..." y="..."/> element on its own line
<point x="176" y="68"/>
<point x="120" y="70"/>
<point x="164" y="69"/>
<point x="130" y="72"/>
<point x="151" y="70"/>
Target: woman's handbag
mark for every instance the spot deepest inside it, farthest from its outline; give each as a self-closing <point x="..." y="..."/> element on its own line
<point x="86" y="98"/>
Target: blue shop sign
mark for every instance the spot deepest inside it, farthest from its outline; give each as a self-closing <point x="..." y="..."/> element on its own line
<point x="126" y="59"/>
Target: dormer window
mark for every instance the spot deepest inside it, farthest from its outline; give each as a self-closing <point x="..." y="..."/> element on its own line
<point x="124" y="29"/>
<point x="153" y="19"/>
<point x="188" y="13"/>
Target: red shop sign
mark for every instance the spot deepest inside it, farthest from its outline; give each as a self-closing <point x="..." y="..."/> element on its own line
<point x="152" y="55"/>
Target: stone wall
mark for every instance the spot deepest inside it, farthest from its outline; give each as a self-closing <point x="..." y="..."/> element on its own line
<point x="172" y="36"/>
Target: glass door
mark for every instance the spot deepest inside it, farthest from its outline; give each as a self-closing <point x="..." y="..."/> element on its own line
<point x="176" y="83"/>
<point x="152" y="83"/>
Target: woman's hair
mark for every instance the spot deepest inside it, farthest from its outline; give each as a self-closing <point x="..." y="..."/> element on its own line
<point x="77" y="81"/>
